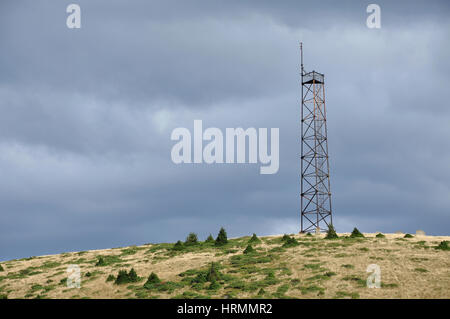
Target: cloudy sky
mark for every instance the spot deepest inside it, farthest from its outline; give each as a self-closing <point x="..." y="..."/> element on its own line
<point x="86" y="118"/>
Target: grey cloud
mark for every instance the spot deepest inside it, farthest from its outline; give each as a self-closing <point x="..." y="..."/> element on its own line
<point x="87" y="115"/>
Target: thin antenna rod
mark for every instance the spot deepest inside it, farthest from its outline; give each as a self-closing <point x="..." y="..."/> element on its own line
<point x="301" y="54"/>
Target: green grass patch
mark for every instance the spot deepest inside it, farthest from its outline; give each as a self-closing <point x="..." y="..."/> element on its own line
<point x="348" y="266"/>
<point x="344" y="294"/>
<point x="320" y="277"/>
<point x="191" y="295"/>
<point x="290" y="242"/>
<point x="311" y="266"/>
<point x="312" y="289"/>
<point x="108" y="260"/>
<point x="360" y="282"/>
<point x="383" y="285"/>
<point x="420" y="270"/>
<point x="129" y="251"/>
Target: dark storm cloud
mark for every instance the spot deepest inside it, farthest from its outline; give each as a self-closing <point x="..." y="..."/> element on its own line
<point x="87" y="116"/>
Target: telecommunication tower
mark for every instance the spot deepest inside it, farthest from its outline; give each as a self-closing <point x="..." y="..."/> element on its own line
<point x="315" y="196"/>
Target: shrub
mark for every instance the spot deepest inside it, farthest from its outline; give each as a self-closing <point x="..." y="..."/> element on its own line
<point x="221" y="238"/>
<point x="270" y="279"/>
<point x="178" y="245"/>
<point x="285" y="237"/>
<point x="191" y="239"/>
<point x="1" y="268"/>
<point x="123" y="277"/>
<point x="356" y="233"/>
<point x="110" y="278"/>
<point x="210" y="239"/>
<point x="408" y="236"/>
<point x="380" y="235"/>
<point x="331" y="233"/>
<point x="309" y="234"/>
<point x="291" y="242"/>
<point x="214" y="285"/>
<point x="254" y="239"/>
<point x="100" y="262"/>
<point x="213" y="273"/>
<point x="249" y="249"/>
<point x="200" y="278"/>
<point x="443" y="245"/>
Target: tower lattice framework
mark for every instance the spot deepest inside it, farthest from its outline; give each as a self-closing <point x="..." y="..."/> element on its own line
<point x="315" y="200"/>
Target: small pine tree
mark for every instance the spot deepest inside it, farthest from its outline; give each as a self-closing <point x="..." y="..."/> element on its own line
<point x="132" y="275"/>
<point x="331" y="233"/>
<point x="285" y="237"/>
<point x="210" y="239"/>
<point x="122" y="277"/>
<point x="178" y="245"/>
<point x="221" y="238"/>
<point x="356" y="233"/>
<point x="249" y="250"/>
<point x="191" y="239"/>
<point x="380" y="235"/>
<point x="110" y="278"/>
<point x="1" y="268"/>
<point x="254" y="239"/>
<point x="153" y="279"/>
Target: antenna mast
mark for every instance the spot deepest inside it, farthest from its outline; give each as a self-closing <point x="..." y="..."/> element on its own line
<point x="315" y="194"/>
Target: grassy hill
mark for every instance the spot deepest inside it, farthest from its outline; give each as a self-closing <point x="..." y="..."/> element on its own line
<point x="295" y="266"/>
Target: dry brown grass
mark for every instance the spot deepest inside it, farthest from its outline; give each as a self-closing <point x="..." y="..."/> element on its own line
<point x="410" y="268"/>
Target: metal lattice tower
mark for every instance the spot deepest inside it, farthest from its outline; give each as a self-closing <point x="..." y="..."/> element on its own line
<point x="315" y="172"/>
